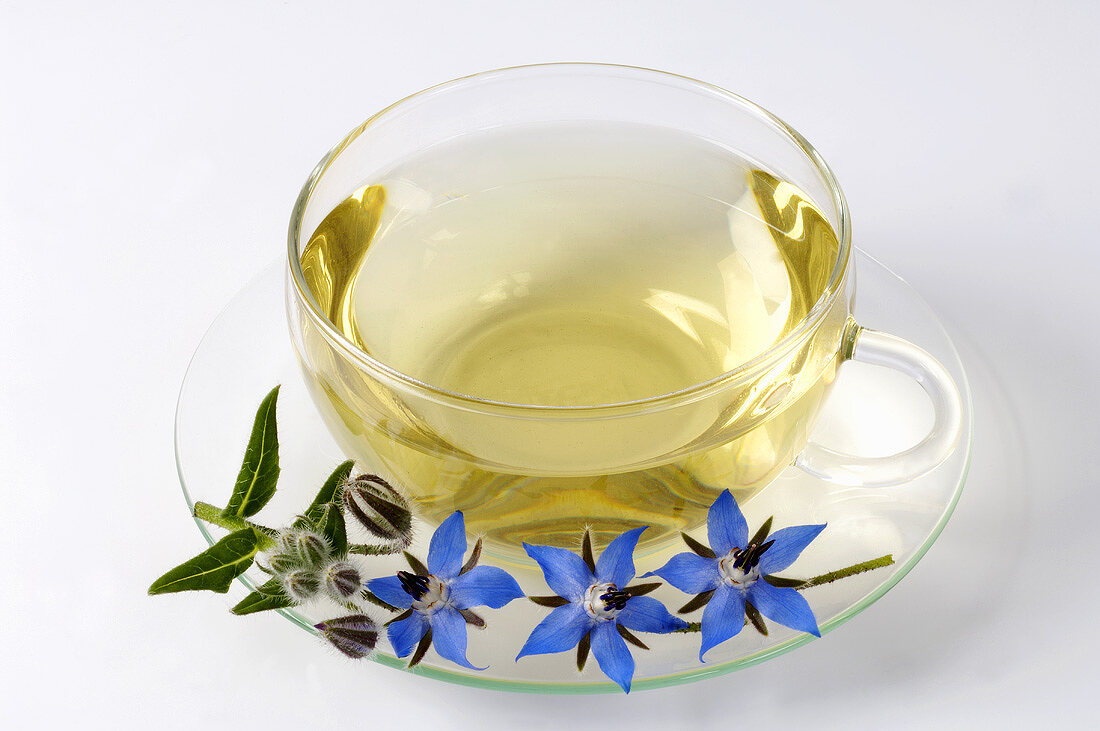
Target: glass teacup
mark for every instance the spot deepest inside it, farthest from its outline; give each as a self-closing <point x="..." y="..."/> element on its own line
<point x="473" y="273"/>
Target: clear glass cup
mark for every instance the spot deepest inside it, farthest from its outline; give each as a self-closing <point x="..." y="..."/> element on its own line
<point x="524" y="472"/>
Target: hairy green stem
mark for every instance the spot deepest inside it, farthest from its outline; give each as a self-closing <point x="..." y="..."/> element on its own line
<point x="692" y="627"/>
<point x="213" y="515"/>
<point x="365" y="550"/>
<point x="859" y="568"/>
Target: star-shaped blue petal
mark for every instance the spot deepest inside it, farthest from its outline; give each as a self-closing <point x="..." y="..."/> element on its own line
<point x="726" y="526"/>
<point x="561" y="630"/>
<point x="616" y="563"/>
<point x="646" y="614"/>
<point x="389" y="590"/>
<point x="738" y="575"/>
<point x="484" y="586"/>
<point x="405" y="633"/>
<point x="593" y="605"/>
<point x="448" y="546"/>
<point x="565" y="571"/>
<point x="441" y="600"/>
<point x="612" y="654"/>
<point x="723" y="618"/>
<point x="690" y="573"/>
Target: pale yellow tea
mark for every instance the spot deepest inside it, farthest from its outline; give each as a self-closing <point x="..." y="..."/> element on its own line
<point x="571" y="265"/>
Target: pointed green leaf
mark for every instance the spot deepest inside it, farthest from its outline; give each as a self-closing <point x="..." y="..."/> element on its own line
<point x="782" y="581"/>
<point x="400" y="617"/>
<point x="582" y="651"/>
<point x="697" y="547"/>
<point x="472" y="617"/>
<point x="642" y="589"/>
<point x="327" y="493"/>
<point x="269" y="596"/>
<point x="417" y="567"/>
<point x="304" y="523"/>
<point x="260" y="470"/>
<point x="754" y="618"/>
<point x="697" y="601"/>
<point x="330" y="524"/>
<point x="762" y="533"/>
<point x="214" y="569"/>
<point x="631" y="637"/>
<point x="586" y="551"/>
<point x="471" y="562"/>
<point x="421" y="649"/>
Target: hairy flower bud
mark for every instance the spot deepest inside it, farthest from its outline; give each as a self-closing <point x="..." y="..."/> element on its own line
<point x="301" y="584"/>
<point x="312" y="549"/>
<point x="379" y="508"/>
<point x="354" y="635"/>
<point x="283" y="563"/>
<point x="342" y="580"/>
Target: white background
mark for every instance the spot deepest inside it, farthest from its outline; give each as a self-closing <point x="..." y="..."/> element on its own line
<point x="149" y="156"/>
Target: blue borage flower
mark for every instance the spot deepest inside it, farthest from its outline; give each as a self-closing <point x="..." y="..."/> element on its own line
<point x="734" y="575"/>
<point x="438" y="598"/>
<point x="592" y="611"/>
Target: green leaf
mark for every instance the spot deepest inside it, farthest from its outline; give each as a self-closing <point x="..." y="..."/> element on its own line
<point x="260" y="471"/>
<point x="697" y="601"/>
<point x="417" y="567"/>
<point x="762" y="533"/>
<point x="214" y="569"/>
<point x="421" y="649"/>
<point x="757" y="621"/>
<point x="782" y="581"/>
<point x="586" y="551"/>
<point x="698" y="548"/>
<point x="327" y="494"/>
<point x="471" y="562"/>
<point x="630" y="637"/>
<point x="330" y="524"/>
<point x="642" y="589"/>
<point x="582" y="650"/>
<point x="269" y="596"/>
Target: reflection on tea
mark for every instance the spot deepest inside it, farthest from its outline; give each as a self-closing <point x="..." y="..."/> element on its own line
<point x="572" y="265"/>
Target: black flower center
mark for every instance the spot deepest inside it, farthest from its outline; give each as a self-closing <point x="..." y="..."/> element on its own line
<point x="603" y="601"/>
<point x="614" y="599"/>
<point x="746" y="559"/>
<point x="414" y="585"/>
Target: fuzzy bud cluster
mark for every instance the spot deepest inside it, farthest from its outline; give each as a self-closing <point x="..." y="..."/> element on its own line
<point x="305" y="566"/>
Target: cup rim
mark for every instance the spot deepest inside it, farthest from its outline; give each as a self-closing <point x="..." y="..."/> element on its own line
<point x="690" y="393"/>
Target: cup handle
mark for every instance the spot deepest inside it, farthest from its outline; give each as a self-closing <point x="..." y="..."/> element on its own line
<point x="878" y="348"/>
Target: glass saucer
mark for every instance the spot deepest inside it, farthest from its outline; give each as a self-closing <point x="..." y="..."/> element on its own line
<point x="871" y="411"/>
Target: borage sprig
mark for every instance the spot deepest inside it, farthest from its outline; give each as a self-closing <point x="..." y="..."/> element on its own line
<point x="734" y="580"/>
<point x="310" y="557"/>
